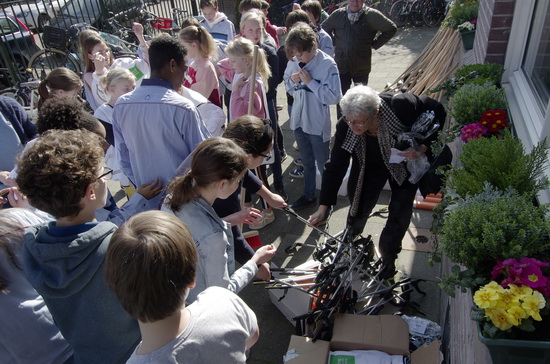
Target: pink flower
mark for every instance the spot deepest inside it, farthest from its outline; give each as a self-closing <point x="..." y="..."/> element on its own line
<point x="472" y="131"/>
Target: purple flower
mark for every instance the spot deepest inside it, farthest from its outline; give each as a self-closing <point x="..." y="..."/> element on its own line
<point x="472" y="131"/>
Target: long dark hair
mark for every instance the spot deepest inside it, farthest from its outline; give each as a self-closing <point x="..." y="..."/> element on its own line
<point x="214" y="159"/>
<point x="251" y="133"/>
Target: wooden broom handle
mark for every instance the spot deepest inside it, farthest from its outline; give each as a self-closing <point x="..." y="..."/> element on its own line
<point x="252" y="80"/>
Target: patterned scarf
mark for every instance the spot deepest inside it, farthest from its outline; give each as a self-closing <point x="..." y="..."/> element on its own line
<point x="353" y="17"/>
<point x="388" y="127"/>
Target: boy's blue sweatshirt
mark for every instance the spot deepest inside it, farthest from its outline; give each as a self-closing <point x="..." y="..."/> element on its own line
<point x="69" y="273"/>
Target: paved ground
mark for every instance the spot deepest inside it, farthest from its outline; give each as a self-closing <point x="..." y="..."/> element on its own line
<point x="389" y="62"/>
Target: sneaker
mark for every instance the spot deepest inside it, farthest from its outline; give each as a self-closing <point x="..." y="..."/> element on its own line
<point x="280" y="190"/>
<point x="302" y="203"/>
<point x="298" y="162"/>
<point x="266" y="219"/>
<point x="283" y="156"/>
<point x="325" y="217"/>
<point x="297" y="173"/>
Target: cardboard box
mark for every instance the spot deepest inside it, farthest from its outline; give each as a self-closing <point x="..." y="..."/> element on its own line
<point x="386" y="333"/>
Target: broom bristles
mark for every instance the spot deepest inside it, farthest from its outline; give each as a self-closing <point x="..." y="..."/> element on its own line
<point x="253" y="239"/>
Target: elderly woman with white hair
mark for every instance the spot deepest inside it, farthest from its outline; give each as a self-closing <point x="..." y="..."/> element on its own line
<point x="370" y="128"/>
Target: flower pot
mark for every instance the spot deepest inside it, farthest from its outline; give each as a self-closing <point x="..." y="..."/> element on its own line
<point x="504" y="351"/>
<point x="468" y="39"/>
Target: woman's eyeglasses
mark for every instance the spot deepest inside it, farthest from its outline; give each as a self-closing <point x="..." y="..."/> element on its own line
<point x="268" y="155"/>
<point x="107" y="175"/>
<point x="356" y="123"/>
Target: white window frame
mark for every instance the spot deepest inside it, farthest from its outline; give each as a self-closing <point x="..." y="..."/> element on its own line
<point x="530" y="123"/>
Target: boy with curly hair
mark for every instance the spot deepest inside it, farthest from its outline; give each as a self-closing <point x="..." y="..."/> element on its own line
<point x="62" y="174"/>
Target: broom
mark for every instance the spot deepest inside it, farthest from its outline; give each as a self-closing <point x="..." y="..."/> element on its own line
<point x="252" y="237"/>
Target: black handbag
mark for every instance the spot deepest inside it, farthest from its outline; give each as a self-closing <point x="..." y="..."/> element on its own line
<point x="432" y="182"/>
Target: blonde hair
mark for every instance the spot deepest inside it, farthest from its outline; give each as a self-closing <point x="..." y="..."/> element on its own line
<point x="113" y="77"/>
<point x="244" y="48"/>
<point x="254" y="15"/>
<point x="202" y="37"/>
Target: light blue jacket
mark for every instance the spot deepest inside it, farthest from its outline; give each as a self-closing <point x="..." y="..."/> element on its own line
<point x="214" y="242"/>
<point x="155" y="129"/>
<point x="310" y="110"/>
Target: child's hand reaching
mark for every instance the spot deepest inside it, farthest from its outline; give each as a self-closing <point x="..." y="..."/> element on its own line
<point x="264" y="254"/>
<point x="150" y="190"/>
<point x="138" y="29"/>
<point x="14" y="196"/>
<point x="5" y="179"/>
<point x="100" y="61"/>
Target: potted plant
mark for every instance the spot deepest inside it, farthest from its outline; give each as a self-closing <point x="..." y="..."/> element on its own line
<point x="477" y="73"/>
<point x="491" y="226"/>
<point x="471" y="101"/>
<point x="468" y="33"/>
<point x="502" y="163"/>
<point x="463" y="17"/>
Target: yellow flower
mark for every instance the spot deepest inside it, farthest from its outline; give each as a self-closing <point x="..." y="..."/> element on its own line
<point x="532" y="304"/>
<point x="521" y="290"/>
<point x="486" y="297"/>
<point x="507" y="299"/>
<point x="516" y="314"/>
<point x="500" y="318"/>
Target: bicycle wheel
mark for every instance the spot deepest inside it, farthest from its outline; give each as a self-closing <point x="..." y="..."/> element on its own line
<point x="14" y="94"/>
<point x="398" y="13"/>
<point x="433" y="13"/>
<point x="45" y="60"/>
<point x="385" y="7"/>
<point x="416" y="14"/>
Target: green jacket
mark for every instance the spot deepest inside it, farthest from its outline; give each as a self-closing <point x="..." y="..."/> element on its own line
<point x="353" y="44"/>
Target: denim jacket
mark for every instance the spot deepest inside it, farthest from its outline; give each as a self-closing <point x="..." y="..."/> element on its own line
<point x="214" y="241"/>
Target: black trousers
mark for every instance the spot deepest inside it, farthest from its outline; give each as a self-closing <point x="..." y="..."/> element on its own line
<point x="345" y="83"/>
<point x="399" y="209"/>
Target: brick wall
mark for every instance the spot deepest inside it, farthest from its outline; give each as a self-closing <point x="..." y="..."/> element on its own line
<point x="493" y="30"/>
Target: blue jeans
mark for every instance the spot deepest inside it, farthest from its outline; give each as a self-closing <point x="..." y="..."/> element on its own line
<point x="312" y="149"/>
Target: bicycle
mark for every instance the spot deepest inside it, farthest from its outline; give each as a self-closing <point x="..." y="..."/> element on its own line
<point x="384" y="6"/>
<point x="404" y="10"/>
<point x="61" y="50"/>
<point x="434" y="11"/>
<point x="25" y="93"/>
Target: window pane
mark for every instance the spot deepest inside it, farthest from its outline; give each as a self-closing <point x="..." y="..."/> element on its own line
<point x="536" y="63"/>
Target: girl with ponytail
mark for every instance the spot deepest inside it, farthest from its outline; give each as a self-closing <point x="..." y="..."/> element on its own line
<point x="217" y="167"/>
<point x="60" y="81"/>
<point x="201" y="74"/>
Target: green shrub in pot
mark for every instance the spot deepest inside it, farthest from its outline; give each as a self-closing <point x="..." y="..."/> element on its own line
<point x="470" y="101"/>
<point x="501" y="162"/>
<point x="494" y="225"/>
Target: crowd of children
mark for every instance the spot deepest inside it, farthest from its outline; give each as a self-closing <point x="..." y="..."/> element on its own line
<point x="114" y="284"/>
